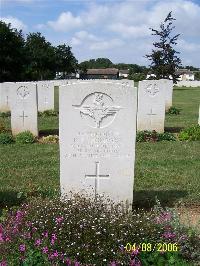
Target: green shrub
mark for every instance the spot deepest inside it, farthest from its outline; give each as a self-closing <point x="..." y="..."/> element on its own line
<point x="153" y="136"/>
<point x="83" y="231"/>
<point x="2" y="126"/>
<point x="191" y="133"/>
<point x="25" y="137"/>
<point x="166" y="136"/>
<point x="47" y="113"/>
<point x="49" y="139"/>
<point x="5" y="114"/>
<point x="173" y="111"/>
<point x="6" y="138"/>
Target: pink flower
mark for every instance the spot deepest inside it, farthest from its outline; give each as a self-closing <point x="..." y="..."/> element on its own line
<point x="59" y="220"/>
<point x="55" y="254"/>
<point x="45" y="250"/>
<point x="52" y="242"/>
<point x="169" y="235"/>
<point x="45" y="234"/>
<point x="22" y="247"/>
<point x="68" y="262"/>
<point x="1" y="237"/>
<point x="113" y="263"/>
<point x="38" y="242"/>
<point x="135" y="262"/>
<point x="135" y="252"/>
<point x="53" y="236"/>
<point x="76" y="263"/>
<point x="3" y="263"/>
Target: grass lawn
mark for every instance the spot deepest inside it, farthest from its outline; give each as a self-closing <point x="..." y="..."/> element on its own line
<point x="168" y="170"/>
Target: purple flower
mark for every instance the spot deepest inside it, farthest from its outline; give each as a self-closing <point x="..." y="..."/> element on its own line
<point x="38" y="242"/>
<point x="135" y="262"/>
<point x="3" y="263"/>
<point x="19" y="215"/>
<point x="45" y="250"/>
<point x="55" y="254"/>
<point x="22" y="248"/>
<point x="164" y="217"/>
<point x="1" y="237"/>
<point x="169" y="235"/>
<point x="76" y="263"/>
<point x="68" y="262"/>
<point x="113" y="263"/>
<point x="135" y="252"/>
<point x="53" y="236"/>
<point x="45" y="234"/>
<point x="59" y="220"/>
<point x="52" y="242"/>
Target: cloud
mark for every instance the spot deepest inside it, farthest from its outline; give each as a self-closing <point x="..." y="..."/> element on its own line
<point x="65" y="22"/>
<point x="15" y="22"/>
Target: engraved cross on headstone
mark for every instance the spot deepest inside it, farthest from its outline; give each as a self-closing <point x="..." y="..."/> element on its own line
<point x="151" y="114"/>
<point x="23" y="117"/>
<point x="45" y="100"/>
<point x="97" y="176"/>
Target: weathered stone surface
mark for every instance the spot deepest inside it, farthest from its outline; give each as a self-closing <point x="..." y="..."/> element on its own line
<point x="45" y="95"/>
<point x="24" y="111"/>
<point x="151" y="105"/>
<point x="5" y="96"/>
<point x="97" y="125"/>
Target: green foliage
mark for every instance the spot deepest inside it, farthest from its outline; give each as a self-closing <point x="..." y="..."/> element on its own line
<point x="5" y="114"/>
<point x="173" y="111"/>
<point x="2" y="126"/>
<point x="49" y="139"/>
<point x="197" y="75"/>
<point x="137" y="76"/>
<point x="191" y="133"/>
<point x="6" y="138"/>
<point x="65" y="60"/>
<point x="164" y="59"/>
<point x="153" y="136"/>
<point x="47" y="113"/>
<point x="54" y="232"/>
<point x="25" y="137"/>
<point x="12" y="59"/>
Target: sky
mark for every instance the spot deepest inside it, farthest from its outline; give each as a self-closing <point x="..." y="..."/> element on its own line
<point x="115" y="29"/>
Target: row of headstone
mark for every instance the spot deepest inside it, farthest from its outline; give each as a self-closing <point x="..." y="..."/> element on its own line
<point x="45" y="91"/>
<point x="188" y="83"/>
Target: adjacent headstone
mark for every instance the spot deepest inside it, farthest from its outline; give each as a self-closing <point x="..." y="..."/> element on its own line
<point x="5" y="96"/>
<point x="168" y="90"/>
<point x="151" y="105"/>
<point x="45" y="95"/>
<point x="188" y="83"/>
<point x="97" y="131"/>
<point x="24" y="111"/>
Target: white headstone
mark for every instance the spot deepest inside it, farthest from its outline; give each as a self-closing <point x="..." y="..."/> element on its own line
<point x="151" y="106"/>
<point x="5" y="96"/>
<point x="24" y="111"/>
<point x="168" y="90"/>
<point x="45" y="95"/>
<point x="97" y="131"/>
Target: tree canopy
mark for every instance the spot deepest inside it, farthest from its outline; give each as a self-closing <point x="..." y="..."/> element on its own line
<point x="164" y="59"/>
<point x="33" y="58"/>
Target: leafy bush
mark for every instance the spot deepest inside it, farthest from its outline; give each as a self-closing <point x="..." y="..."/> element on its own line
<point x="6" y="138"/>
<point x="153" y="136"/>
<point x="25" y="137"/>
<point x="49" y="139"/>
<point x="5" y="114"/>
<point x="80" y="231"/>
<point x="47" y="113"/>
<point x="2" y="126"/>
<point x="173" y="111"/>
<point x="191" y="133"/>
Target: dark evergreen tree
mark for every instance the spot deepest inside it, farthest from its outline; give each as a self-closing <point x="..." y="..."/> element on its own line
<point x="164" y="59"/>
<point x="12" y="54"/>
<point x="65" y="60"/>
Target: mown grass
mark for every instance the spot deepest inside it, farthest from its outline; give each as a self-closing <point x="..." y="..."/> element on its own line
<point x="169" y="171"/>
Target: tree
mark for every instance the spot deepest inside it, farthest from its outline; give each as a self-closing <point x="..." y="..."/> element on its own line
<point x="164" y="59"/>
<point x="65" y="60"/>
<point x="41" y="57"/>
<point x="12" y="59"/>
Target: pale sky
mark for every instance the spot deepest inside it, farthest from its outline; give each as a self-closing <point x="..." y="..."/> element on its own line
<point x="118" y="30"/>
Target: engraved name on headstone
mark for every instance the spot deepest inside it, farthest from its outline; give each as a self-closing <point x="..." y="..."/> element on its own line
<point x="151" y="105"/>
<point x="97" y="125"/>
<point x="24" y="111"/>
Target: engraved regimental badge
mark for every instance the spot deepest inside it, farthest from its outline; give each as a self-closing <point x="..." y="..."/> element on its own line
<point x="97" y="110"/>
<point x="23" y="92"/>
<point x="152" y="89"/>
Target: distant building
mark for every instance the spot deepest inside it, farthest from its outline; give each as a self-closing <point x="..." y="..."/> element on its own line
<point x="185" y="74"/>
<point x="104" y="73"/>
<point x="123" y="73"/>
